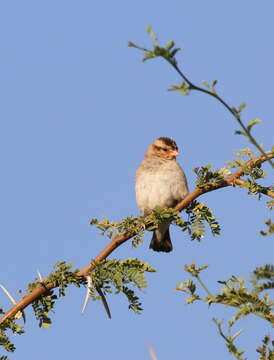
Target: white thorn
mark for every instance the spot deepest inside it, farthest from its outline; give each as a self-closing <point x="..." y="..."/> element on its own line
<point x="39" y="275"/>
<point x="87" y="293"/>
<point x="19" y="313"/>
<point x="8" y="295"/>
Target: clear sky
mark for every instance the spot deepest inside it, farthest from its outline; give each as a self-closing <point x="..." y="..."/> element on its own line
<point x="78" y="109"/>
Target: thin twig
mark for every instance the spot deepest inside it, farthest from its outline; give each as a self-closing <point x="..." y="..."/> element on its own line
<point x="265" y="190"/>
<point x="192" y="86"/>
<point x="203" y="286"/>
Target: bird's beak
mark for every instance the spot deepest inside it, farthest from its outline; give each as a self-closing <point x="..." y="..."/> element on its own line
<point x="174" y="154"/>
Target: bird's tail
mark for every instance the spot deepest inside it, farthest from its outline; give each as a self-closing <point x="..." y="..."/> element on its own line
<point x="161" y="239"/>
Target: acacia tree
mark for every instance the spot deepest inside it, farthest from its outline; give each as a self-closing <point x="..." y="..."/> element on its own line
<point x="102" y="276"/>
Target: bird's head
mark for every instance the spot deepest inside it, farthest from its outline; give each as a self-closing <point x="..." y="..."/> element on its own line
<point x="164" y="148"/>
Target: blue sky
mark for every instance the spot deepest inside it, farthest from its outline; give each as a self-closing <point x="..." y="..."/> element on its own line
<point x="78" y="109"/>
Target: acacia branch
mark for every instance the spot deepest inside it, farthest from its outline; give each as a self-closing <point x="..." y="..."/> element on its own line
<point x="264" y="190"/>
<point x="118" y="240"/>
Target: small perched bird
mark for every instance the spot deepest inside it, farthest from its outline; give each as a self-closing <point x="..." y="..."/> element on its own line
<point x="160" y="181"/>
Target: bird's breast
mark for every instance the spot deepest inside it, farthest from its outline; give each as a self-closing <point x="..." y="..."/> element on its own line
<point x="161" y="187"/>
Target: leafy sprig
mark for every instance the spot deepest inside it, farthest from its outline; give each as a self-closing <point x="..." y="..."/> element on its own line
<point x="263" y="278"/>
<point x="117" y="276"/>
<point x="266" y="350"/>
<point x="132" y="225"/>
<point x="12" y="325"/>
<point x="168" y="52"/>
<point x="197" y="215"/>
<point x="251" y="174"/>
<point x="236" y="294"/>
<point x="230" y="341"/>
<point x="206" y="176"/>
<point x="270" y="230"/>
<point x="61" y="277"/>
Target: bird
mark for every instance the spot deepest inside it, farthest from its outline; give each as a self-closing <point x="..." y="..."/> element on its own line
<point x="160" y="182"/>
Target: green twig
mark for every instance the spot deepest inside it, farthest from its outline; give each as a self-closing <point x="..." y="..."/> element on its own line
<point x="234" y="114"/>
<point x="203" y="286"/>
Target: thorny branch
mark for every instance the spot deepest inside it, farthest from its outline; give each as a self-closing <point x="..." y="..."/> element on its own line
<point x="231" y="180"/>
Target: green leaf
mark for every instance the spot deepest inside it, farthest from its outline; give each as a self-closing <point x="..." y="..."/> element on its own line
<point x="131" y="44"/>
<point x="239" y="132"/>
<point x="115" y="276"/>
<point x="205" y="83"/>
<point x="235" y="112"/>
<point x="252" y="123"/>
<point x="174" y="52"/>
<point x="151" y="33"/>
<point x="170" y="44"/>
<point x="270" y="230"/>
<point x="149" y="55"/>
<point x="183" y="89"/>
<point x="241" y="107"/>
